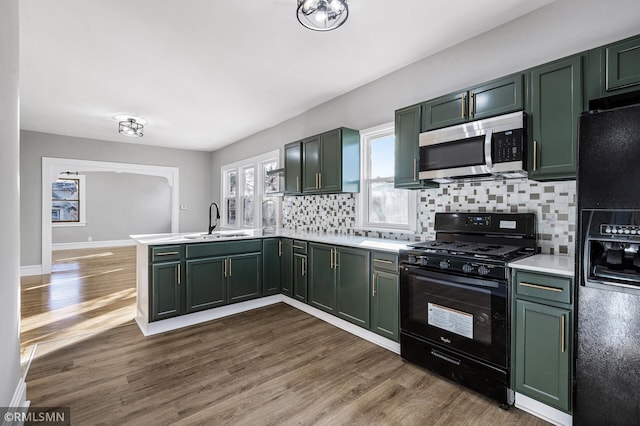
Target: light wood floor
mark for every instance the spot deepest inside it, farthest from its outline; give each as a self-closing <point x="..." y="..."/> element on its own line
<point x="274" y="365"/>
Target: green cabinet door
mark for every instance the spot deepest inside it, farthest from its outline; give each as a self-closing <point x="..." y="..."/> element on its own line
<point x="330" y="178"/>
<point x="311" y="164"/>
<point x="497" y="97"/>
<point x="384" y="305"/>
<point x="300" y="277"/>
<point x="622" y="67"/>
<point x="352" y="285"/>
<point x="407" y="151"/>
<point x="322" y="277"/>
<point x="271" y="249"/>
<point x="244" y="277"/>
<point x="166" y="290"/>
<point x="286" y="267"/>
<point x="543" y="353"/>
<point x="555" y="102"/>
<point x="293" y="168"/>
<point x="205" y="286"/>
<point x="445" y="111"/>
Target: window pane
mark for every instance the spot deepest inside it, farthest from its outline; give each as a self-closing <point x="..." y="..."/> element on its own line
<point x="248" y="181"/>
<point x="387" y="205"/>
<point x="65" y="189"/>
<point x="247" y="211"/>
<point x="65" y="211"/>
<point x="231" y="211"/>
<point x="232" y="183"/>
<point x="382" y="157"/>
<point x="270" y="182"/>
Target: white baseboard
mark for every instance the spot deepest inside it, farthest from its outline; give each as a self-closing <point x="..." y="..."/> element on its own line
<point x="19" y="399"/>
<point x="30" y="270"/>
<point x="93" y="244"/>
<point x="543" y="411"/>
<point x="344" y="325"/>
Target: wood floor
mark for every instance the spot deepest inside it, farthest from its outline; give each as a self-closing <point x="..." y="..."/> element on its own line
<point x="271" y="366"/>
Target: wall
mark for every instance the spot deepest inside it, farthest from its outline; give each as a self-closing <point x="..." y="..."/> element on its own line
<point x="118" y="205"/>
<point x="195" y="178"/>
<point x="10" y="212"/>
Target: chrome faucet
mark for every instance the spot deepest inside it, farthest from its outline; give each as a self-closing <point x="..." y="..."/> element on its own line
<point x="211" y="228"/>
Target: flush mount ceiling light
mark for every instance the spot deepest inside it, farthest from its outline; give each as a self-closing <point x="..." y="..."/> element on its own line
<point x="322" y="15"/>
<point x="130" y="127"/>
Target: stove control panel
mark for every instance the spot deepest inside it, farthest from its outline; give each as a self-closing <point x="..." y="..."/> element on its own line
<point x="623" y="230"/>
<point x="459" y="266"/>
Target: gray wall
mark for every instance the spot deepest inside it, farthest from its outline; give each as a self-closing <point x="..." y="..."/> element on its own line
<point x="554" y="31"/>
<point x="195" y="179"/>
<point x="10" y="212"/>
<point x="118" y="205"/>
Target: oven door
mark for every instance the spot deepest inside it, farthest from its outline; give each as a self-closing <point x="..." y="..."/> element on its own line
<point x="461" y="313"/>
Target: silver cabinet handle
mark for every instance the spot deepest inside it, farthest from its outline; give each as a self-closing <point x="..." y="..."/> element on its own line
<point x="464" y="99"/>
<point x="335" y="262"/>
<point x="331" y="258"/>
<point x="298" y="247"/>
<point x="179" y="274"/>
<point x="542" y="287"/>
<point x="562" y="333"/>
<point x="297" y="183"/>
<point x="304" y="266"/>
<point x="279" y="248"/>
<point x="388" y="262"/>
<point x="471" y="107"/>
<point x="317" y="181"/>
<point x="535" y="155"/>
<point x="167" y="253"/>
<point x="373" y="285"/>
<point x="225" y="268"/>
<point x="229" y="266"/>
<point x="415" y="169"/>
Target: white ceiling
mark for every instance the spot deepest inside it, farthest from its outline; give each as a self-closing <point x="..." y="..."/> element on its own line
<point x="206" y="73"/>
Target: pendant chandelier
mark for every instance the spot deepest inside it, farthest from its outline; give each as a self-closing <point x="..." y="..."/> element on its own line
<point x="130" y="128"/>
<point x="322" y="15"/>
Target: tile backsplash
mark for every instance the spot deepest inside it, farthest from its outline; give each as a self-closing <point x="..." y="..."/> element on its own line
<point x="554" y="204"/>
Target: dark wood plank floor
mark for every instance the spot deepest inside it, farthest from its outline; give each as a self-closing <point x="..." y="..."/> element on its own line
<point x="271" y="366"/>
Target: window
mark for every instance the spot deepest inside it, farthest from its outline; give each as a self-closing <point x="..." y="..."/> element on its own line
<point x="68" y="201"/>
<point x="243" y="186"/>
<point x="381" y="206"/>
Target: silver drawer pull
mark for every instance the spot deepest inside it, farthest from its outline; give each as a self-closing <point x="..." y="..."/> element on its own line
<point x="542" y="287"/>
<point x="298" y="247"/>
<point x="445" y="357"/>
<point x="388" y="262"/>
<point x="167" y="253"/>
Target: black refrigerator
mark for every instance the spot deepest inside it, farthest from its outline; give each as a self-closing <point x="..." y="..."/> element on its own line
<point x="607" y="362"/>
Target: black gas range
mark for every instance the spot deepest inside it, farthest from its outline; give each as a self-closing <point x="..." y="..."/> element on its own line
<point x="454" y="294"/>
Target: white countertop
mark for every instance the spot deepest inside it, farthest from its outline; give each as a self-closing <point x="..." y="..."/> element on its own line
<point x="548" y="263"/>
<point x="393" y="246"/>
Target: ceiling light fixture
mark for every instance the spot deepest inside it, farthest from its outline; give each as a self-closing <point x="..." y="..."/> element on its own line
<point x="322" y="15"/>
<point x="130" y="127"/>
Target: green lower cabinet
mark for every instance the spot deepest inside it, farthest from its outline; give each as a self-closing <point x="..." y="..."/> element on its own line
<point x="322" y="277"/>
<point x="555" y="101"/>
<point x="352" y="285"/>
<point x="244" y="277"/>
<point x="300" y="277"/>
<point x="205" y="284"/>
<point x="166" y="290"/>
<point x="384" y="304"/>
<point x="542" y="353"/>
<point x="286" y="267"/>
<point x="271" y="266"/>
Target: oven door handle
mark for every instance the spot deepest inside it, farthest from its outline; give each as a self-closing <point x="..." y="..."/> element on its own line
<point x="445" y="357"/>
<point x="445" y="279"/>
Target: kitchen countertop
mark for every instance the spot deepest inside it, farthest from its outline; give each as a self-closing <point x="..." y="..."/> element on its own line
<point x="380" y="244"/>
<point x="548" y="263"/>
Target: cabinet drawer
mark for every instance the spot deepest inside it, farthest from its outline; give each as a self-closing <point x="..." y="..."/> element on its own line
<point x="384" y="262"/>
<point x="543" y="286"/>
<point x="299" y="247"/>
<point x="165" y="253"/>
<point x="223" y="248"/>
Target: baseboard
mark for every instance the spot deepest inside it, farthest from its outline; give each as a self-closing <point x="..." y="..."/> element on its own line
<point x="543" y="411"/>
<point x="344" y="325"/>
<point x="151" y="328"/>
<point x="19" y="399"/>
<point x="30" y="270"/>
<point x="93" y="244"/>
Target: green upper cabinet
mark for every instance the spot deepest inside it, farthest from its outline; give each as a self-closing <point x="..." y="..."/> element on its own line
<point x="322" y="277"/>
<point x="555" y="101"/>
<point x="271" y="255"/>
<point x="615" y="68"/>
<point x="331" y="162"/>
<point x="206" y="287"/>
<point x="543" y="353"/>
<point x="493" y="98"/>
<point x="352" y="285"/>
<point x="293" y="168"/>
<point x="407" y="151"/>
<point x="166" y="290"/>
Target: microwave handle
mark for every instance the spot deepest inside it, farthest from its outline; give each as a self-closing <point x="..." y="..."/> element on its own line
<point x="487" y="149"/>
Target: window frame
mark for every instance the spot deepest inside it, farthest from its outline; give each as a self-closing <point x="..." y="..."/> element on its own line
<point x="362" y="198"/>
<point x="82" y="201"/>
<point x="257" y="162"/>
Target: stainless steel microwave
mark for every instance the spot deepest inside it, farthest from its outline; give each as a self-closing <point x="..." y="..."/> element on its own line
<point x="491" y="147"/>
